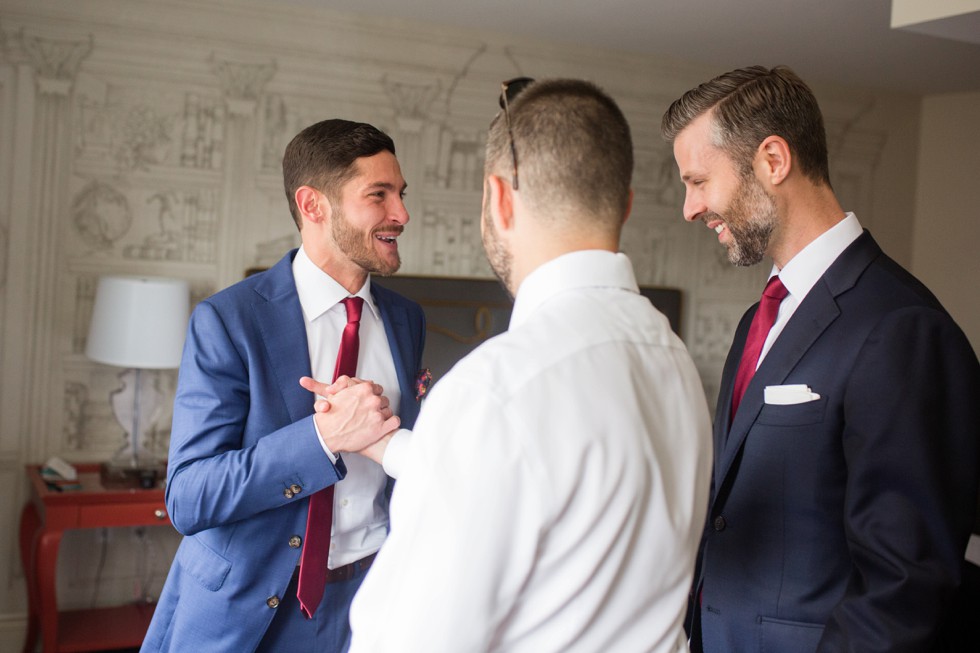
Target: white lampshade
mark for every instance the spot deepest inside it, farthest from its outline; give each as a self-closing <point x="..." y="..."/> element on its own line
<point x="139" y="322"/>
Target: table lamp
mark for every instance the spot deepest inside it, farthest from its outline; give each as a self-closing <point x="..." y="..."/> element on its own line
<point x="138" y="323"/>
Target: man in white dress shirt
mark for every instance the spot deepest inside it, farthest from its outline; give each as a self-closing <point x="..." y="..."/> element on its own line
<point x="555" y="485"/>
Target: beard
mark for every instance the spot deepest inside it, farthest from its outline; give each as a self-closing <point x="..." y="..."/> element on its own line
<point x="357" y="246"/>
<point x="751" y="219"/>
<point x="501" y="261"/>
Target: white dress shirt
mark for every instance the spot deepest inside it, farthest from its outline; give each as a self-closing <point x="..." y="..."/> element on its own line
<point x="806" y="268"/>
<point x="555" y="486"/>
<point x="360" y="520"/>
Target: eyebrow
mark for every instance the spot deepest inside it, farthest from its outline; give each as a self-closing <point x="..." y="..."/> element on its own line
<point x="385" y="185"/>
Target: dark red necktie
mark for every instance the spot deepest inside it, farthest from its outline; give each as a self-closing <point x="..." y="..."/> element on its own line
<point x="316" y="543"/>
<point x="758" y="331"/>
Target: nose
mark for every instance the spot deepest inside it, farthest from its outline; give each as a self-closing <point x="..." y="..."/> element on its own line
<point x="693" y="207"/>
<point x="397" y="212"/>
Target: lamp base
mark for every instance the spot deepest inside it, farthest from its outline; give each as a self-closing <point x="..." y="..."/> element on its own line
<point x="144" y="474"/>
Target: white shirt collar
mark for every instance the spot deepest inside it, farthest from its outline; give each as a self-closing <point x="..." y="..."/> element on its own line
<point x="581" y="269"/>
<point x="806" y="268"/>
<point x="319" y="292"/>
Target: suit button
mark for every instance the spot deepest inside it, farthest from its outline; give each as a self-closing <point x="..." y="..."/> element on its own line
<point x="720" y="523"/>
<point x="287" y="493"/>
<point x="295" y="541"/>
<point x="272" y="601"/>
<point x="295" y="488"/>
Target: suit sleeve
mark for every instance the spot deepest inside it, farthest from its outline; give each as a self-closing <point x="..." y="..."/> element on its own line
<point x="912" y="411"/>
<point x="233" y="454"/>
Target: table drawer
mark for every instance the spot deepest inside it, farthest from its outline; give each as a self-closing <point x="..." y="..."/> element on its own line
<point x="122" y="514"/>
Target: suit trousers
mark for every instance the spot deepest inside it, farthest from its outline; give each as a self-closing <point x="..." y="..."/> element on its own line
<point x="327" y="632"/>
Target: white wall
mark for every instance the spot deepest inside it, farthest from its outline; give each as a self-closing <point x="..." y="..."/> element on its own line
<point x="144" y="136"/>
<point x="946" y="253"/>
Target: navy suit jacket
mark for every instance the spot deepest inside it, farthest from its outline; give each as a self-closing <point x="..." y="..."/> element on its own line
<point x="242" y="436"/>
<point x="841" y="524"/>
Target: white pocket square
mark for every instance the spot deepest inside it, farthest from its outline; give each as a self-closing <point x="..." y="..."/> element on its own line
<point x="785" y="395"/>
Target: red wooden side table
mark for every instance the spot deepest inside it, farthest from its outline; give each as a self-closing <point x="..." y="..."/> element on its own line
<point x="45" y="517"/>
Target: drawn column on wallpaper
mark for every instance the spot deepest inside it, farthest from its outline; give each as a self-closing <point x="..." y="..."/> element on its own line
<point x="56" y="64"/>
<point x="243" y="86"/>
<point x="412" y="103"/>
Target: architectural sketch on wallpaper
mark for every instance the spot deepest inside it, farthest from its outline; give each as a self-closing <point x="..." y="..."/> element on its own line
<point x="655" y="173"/>
<point x="101" y="215"/>
<point x="142" y="128"/>
<point x="186" y="227"/>
<point x="451" y="244"/>
<point x="76" y="400"/>
<point x="648" y="246"/>
<point x="242" y="81"/>
<point x="411" y="102"/>
<point x="709" y="338"/>
<point x="269" y="252"/>
<point x="55" y="59"/>
<point x="90" y="423"/>
<point x="202" y="135"/>
<point x="4" y="245"/>
<point x="157" y="225"/>
<point x="277" y="131"/>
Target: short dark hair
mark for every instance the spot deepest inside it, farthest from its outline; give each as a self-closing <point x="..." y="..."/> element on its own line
<point x="751" y="104"/>
<point x="574" y="149"/>
<point x="323" y="156"/>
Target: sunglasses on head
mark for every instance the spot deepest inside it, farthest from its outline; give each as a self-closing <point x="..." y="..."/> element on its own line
<point x="508" y="91"/>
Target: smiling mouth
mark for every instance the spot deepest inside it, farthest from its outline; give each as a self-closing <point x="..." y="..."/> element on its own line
<point x="387" y="239"/>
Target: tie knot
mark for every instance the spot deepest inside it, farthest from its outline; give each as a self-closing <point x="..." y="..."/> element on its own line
<point x="775" y="289"/>
<point x="353" y="306"/>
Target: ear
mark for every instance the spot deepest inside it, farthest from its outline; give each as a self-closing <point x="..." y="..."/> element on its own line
<point x="312" y="204"/>
<point x="774" y="160"/>
<point x="501" y="203"/>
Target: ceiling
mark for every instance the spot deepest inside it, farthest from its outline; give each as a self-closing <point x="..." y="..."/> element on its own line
<point x="847" y="42"/>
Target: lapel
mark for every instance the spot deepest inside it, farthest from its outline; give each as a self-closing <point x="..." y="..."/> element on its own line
<point x="395" y="319"/>
<point x="817" y="312"/>
<point x="279" y="318"/>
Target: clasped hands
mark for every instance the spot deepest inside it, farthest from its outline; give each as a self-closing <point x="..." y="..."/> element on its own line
<point x="354" y="416"/>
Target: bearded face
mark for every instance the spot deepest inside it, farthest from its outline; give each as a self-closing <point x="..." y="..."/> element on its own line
<point x="501" y="260"/>
<point x="751" y="218"/>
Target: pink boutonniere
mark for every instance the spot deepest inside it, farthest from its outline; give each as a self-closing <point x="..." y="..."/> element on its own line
<point x="422" y="382"/>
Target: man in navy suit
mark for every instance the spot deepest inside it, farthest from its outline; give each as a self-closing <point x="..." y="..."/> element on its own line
<point x="845" y="478"/>
<point x="247" y="451"/>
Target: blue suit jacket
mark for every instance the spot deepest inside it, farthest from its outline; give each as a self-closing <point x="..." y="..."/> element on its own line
<point x="841" y="524"/>
<point x="243" y="434"/>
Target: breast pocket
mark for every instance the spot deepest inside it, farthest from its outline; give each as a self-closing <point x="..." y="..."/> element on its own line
<point x="810" y="412"/>
<point x="781" y="636"/>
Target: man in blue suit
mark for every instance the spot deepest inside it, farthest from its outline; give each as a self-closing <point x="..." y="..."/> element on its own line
<point x="247" y="451"/>
<point x="846" y="433"/>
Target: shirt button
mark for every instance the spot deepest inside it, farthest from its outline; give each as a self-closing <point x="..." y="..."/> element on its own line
<point x="345" y="502"/>
<point x="720" y="524"/>
<point x="287" y="493"/>
<point x="295" y="541"/>
<point x="272" y="601"/>
<point x="295" y="488"/>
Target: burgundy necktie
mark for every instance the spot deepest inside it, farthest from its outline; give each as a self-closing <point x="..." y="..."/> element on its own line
<point x="758" y="331"/>
<point x="316" y="543"/>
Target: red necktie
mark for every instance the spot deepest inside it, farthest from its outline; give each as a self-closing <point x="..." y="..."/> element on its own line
<point x="758" y="331"/>
<point x="316" y="543"/>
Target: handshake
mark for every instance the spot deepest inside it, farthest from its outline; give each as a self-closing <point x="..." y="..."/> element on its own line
<point x="353" y="416"/>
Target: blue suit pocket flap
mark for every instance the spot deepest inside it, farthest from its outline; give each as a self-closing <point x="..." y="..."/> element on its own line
<point x="201" y="563"/>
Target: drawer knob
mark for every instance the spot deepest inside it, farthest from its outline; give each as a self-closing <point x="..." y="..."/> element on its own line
<point x="160" y="513"/>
